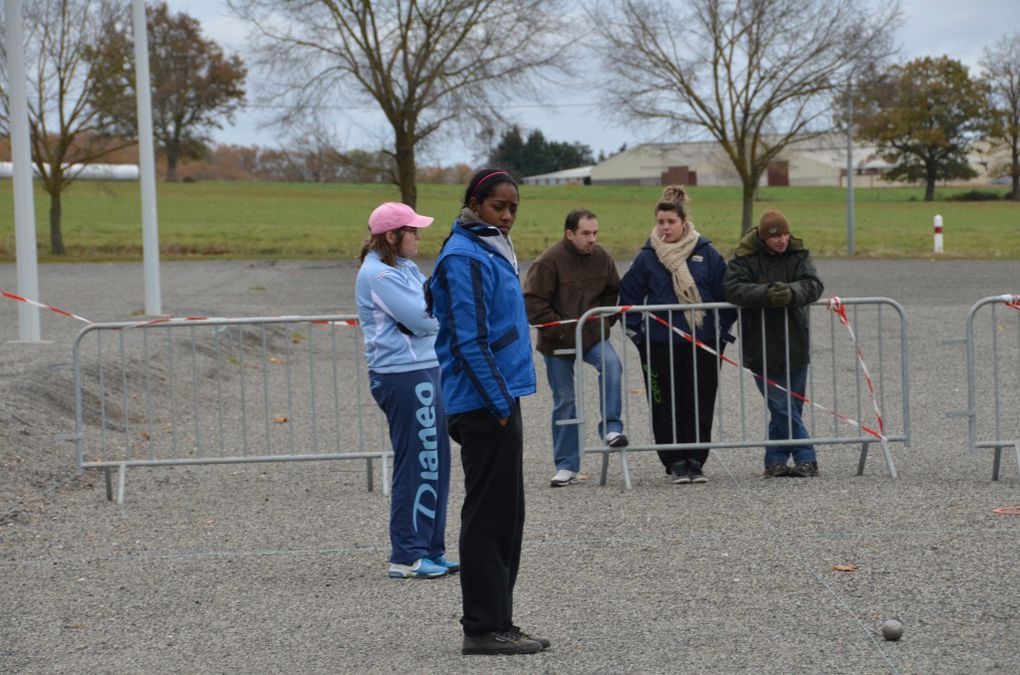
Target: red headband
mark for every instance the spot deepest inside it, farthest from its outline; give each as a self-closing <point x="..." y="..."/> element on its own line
<point x="494" y="173"/>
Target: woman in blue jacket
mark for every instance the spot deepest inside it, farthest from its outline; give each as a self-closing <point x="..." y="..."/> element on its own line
<point x="484" y="350"/>
<point x="678" y="266"/>
<point x="403" y="373"/>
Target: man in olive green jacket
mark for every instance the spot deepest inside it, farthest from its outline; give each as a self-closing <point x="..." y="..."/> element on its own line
<point x="773" y="279"/>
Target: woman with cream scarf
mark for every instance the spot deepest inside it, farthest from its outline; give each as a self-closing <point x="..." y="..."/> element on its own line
<point x="678" y="266"/>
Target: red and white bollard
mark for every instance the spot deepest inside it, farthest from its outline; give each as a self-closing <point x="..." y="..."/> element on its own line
<point x="938" y="234"/>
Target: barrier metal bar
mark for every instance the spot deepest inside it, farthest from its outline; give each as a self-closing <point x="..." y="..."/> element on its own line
<point x="262" y="389"/>
<point x="996" y="391"/>
<point x="825" y="389"/>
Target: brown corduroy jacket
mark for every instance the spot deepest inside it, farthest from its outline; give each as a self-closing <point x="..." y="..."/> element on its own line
<point x="564" y="283"/>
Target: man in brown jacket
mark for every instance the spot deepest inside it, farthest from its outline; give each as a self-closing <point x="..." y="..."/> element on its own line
<point x="566" y="280"/>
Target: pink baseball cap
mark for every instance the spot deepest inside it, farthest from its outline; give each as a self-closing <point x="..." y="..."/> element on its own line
<point x="393" y="216"/>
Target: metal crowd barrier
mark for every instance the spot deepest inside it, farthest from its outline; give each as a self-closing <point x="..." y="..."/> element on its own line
<point x="224" y="391"/>
<point x="993" y="378"/>
<point x="841" y="408"/>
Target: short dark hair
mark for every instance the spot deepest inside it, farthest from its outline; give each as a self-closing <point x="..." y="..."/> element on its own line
<point x="575" y="217"/>
<point x="484" y="183"/>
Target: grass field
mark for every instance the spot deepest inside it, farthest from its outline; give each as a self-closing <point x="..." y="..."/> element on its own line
<point x="284" y="220"/>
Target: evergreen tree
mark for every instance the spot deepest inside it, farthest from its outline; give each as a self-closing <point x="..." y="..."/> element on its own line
<point x="535" y="155"/>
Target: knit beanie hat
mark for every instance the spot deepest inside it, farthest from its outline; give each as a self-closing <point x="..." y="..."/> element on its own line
<point x="773" y="223"/>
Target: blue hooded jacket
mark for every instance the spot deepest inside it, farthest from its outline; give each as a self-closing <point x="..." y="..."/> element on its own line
<point x="484" y="341"/>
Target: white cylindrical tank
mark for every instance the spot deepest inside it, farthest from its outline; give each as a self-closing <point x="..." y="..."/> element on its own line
<point x="87" y="172"/>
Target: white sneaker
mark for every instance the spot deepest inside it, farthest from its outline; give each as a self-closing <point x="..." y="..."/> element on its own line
<point x="615" y="439"/>
<point x="563" y="478"/>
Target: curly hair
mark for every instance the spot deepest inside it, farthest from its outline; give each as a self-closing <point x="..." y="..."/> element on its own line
<point x="674" y="198"/>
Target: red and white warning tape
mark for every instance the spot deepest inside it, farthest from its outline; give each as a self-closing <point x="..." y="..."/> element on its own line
<point x="595" y="317"/>
<point x="839" y="309"/>
<point x="18" y="298"/>
<point x="804" y="399"/>
<point x="187" y="319"/>
<point x="834" y="304"/>
<point x="153" y="322"/>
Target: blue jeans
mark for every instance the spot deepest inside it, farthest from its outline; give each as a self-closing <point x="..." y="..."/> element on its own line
<point x="780" y="424"/>
<point x="566" y="453"/>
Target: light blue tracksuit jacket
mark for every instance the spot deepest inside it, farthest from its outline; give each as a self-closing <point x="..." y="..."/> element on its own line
<point x="399" y="335"/>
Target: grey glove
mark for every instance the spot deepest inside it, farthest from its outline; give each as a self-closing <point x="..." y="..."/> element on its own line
<point x="778" y="295"/>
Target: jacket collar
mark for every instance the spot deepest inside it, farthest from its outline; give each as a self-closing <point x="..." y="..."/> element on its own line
<point x="751" y="244"/>
<point x="489" y="237"/>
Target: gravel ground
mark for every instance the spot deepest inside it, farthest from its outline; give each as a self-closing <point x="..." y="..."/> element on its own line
<point x="280" y="568"/>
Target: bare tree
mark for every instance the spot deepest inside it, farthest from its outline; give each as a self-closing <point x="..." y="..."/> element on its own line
<point x="1001" y="64"/>
<point x="314" y="155"/>
<point x="423" y="63"/>
<point x="67" y="133"/>
<point x="755" y="75"/>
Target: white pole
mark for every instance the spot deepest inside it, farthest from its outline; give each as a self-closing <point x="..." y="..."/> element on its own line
<point x="851" y="234"/>
<point x="938" y="234"/>
<point x="146" y="162"/>
<point x="21" y="157"/>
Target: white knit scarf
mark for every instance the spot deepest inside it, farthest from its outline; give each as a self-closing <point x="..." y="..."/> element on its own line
<point x="673" y="257"/>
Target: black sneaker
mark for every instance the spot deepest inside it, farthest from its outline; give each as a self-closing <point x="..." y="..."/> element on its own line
<point x="694" y="472"/>
<point x="777" y="470"/>
<point x="679" y="471"/>
<point x="805" y="470"/>
<point x="500" y="642"/>
<point x="519" y="634"/>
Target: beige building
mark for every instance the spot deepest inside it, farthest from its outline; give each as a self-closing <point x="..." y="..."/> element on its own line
<point x="819" y="161"/>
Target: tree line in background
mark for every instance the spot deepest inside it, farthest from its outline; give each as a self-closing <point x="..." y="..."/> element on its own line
<point x="301" y="161"/>
<point x="307" y="161"/>
<point x="753" y="76"/>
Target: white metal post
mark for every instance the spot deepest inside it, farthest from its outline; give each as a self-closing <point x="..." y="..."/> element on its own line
<point x="21" y="158"/>
<point x="851" y="234"/>
<point x="146" y="162"/>
<point x="938" y="234"/>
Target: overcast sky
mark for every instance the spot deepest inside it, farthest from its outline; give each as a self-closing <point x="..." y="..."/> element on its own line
<point x="957" y="28"/>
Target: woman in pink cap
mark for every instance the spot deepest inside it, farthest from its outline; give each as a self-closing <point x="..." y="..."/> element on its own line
<point x="404" y="377"/>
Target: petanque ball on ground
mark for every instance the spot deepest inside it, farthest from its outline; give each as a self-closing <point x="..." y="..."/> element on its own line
<point x="892" y="630"/>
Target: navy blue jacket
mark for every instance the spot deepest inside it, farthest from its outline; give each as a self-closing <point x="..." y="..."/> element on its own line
<point x="484" y="342"/>
<point x="648" y="282"/>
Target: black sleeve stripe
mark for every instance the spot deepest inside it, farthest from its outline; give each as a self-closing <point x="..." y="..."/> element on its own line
<point x="477" y="287"/>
